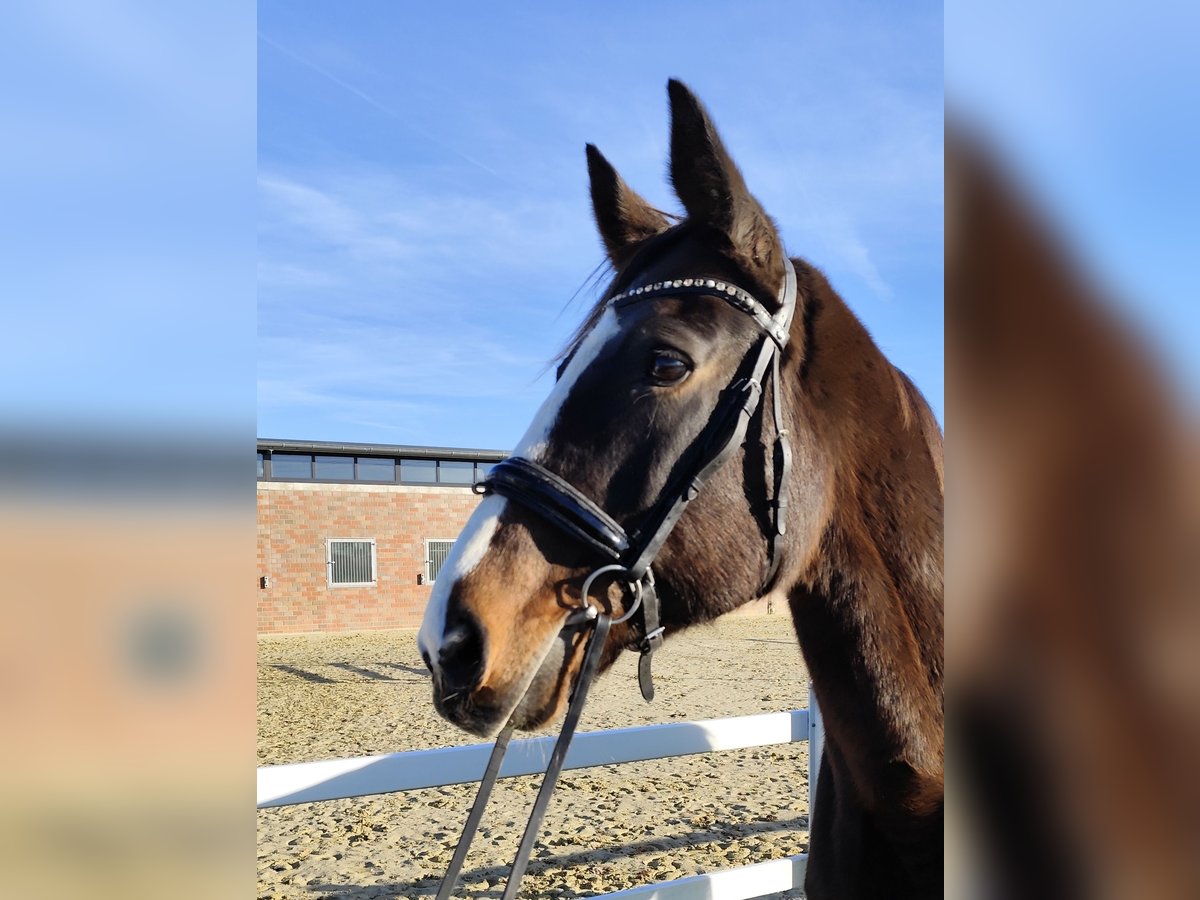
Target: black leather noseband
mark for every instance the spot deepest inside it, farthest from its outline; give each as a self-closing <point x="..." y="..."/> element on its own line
<point x="628" y="557"/>
<point x="557" y="501"/>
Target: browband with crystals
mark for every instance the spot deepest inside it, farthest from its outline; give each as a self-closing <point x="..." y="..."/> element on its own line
<point x="739" y="299"/>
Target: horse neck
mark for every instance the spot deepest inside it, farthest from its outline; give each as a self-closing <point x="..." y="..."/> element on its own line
<point x="868" y="602"/>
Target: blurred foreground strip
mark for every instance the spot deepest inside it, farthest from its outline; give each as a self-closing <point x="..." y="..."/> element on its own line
<point x="1073" y="619"/>
<point x="126" y="673"/>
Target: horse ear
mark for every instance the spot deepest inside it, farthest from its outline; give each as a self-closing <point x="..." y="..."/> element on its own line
<point x="713" y="192"/>
<point x="623" y="218"/>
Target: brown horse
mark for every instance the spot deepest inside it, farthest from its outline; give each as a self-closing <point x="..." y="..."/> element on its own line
<point x="862" y="561"/>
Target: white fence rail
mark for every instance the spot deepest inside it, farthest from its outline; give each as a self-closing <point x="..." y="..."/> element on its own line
<point x="337" y="779"/>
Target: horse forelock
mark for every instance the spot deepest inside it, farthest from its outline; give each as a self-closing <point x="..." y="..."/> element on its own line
<point x="644" y="257"/>
<point x="616" y="282"/>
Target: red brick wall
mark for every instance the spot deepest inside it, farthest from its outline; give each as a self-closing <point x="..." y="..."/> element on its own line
<point x="294" y="520"/>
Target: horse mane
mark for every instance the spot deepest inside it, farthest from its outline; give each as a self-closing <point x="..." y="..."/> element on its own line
<point x="913" y="403"/>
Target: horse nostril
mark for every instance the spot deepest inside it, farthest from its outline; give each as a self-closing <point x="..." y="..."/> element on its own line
<point x="461" y="656"/>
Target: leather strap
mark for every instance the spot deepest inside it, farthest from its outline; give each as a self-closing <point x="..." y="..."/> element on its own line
<point x="782" y="467"/>
<point x="652" y="638"/>
<point x="587" y="674"/>
<point x="557" y="501"/>
<point x="486" y="783"/>
<point x="583" y="682"/>
<point x="724" y="434"/>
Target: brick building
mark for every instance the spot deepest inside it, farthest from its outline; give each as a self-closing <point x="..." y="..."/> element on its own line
<point x="350" y="536"/>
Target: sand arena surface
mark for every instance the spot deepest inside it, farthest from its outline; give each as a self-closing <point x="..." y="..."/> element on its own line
<point x="607" y="828"/>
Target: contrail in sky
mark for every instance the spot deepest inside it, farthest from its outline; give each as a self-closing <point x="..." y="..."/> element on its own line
<point x="382" y="107"/>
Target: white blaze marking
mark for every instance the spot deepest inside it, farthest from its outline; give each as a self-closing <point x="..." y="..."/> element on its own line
<point x="533" y="444"/>
<point x="476" y="536"/>
<point x="468" y="550"/>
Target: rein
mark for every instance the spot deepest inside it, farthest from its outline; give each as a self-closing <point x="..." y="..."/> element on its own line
<point x="630" y="555"/>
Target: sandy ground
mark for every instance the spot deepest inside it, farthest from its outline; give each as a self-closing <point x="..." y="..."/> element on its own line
<point x="611" y="827"/>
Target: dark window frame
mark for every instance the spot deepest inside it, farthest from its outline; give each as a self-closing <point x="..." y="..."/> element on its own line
<point x="271" y="469"/>
<point x="477" y="473"/>
<point x="401" y="460"/>
<point x="329" y="460"/>
<point x="459" y="466"/>
<point x="395" y="470"/>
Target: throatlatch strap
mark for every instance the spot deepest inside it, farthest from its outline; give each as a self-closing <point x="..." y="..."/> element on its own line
<point x="782" y="467"/>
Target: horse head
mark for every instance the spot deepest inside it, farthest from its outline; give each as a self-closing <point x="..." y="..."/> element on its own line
<point x="627" y="417"/>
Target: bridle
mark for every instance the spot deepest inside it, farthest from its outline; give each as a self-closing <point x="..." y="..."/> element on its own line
<point x="628" y="556"/>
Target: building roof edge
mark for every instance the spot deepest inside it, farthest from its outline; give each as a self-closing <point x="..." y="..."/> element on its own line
<point x="416" y="452"/>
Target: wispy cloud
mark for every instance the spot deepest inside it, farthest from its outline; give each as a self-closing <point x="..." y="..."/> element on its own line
<point x="384" y="301"/>
<point x="290" y="275"/>
<point x="406" y="382"/>
<point x="298" y="210"/>
<point x="371" y="217"/>
<point x="379" y="105"/>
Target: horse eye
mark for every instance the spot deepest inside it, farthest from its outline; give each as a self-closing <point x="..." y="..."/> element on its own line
<point x="667" y="368"/>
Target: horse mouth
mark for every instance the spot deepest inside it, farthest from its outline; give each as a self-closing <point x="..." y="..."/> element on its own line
<point x="536" y="699"/>
<point x="462" y="710"/>
<point x="486" y="720"/>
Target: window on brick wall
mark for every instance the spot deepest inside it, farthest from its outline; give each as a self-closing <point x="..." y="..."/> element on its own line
<point x="291" y="465"/>
<point x="335" y="468"/>
<point x="452" y="471"/>
<point x="350" y="561"/>
<point x="436" y="552"/>
<point x="418" y="471"/>
<point x="374" y="468"/>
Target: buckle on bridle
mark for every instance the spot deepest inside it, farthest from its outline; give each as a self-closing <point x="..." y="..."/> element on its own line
<point x="648" y="643"/>
<point x="750" y="390"/>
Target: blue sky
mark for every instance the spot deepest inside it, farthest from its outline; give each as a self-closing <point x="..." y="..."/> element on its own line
<point x="424" y="224"/>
